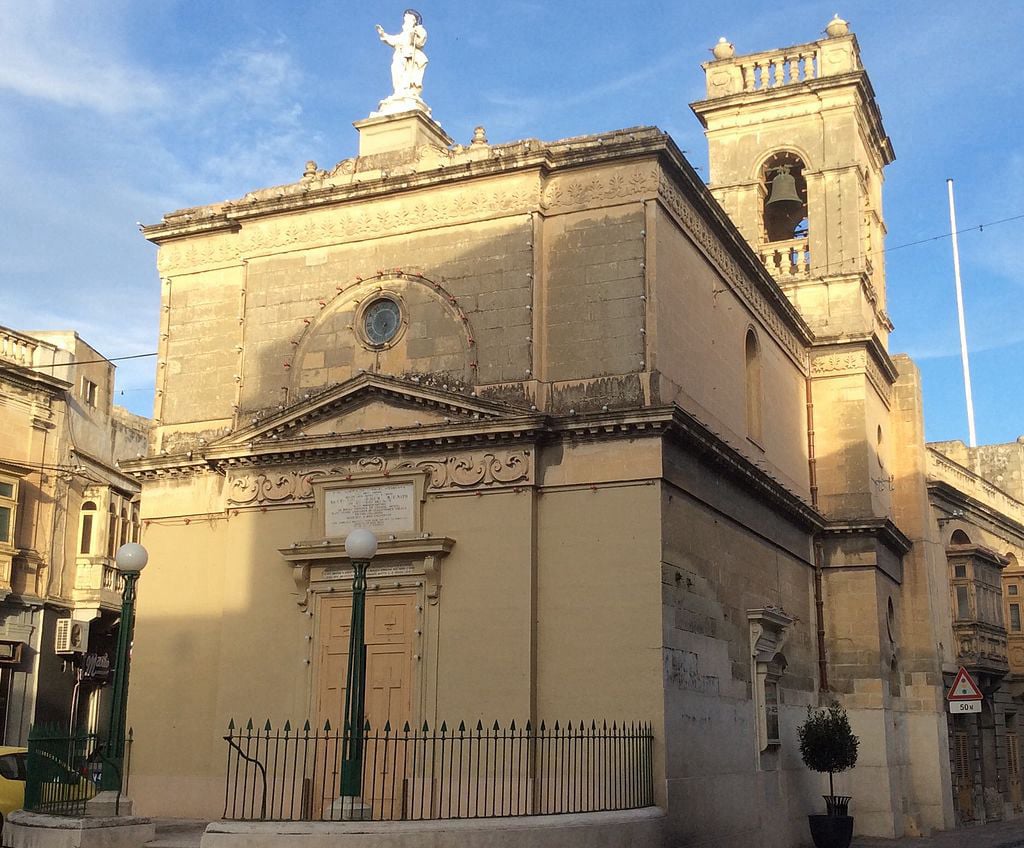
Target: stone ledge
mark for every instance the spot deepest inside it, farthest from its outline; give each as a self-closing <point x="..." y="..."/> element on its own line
<point x="619" y="829"/>
<point x="23" y="829"/>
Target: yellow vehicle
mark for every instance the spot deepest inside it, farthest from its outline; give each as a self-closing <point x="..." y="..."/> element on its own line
<point x="13" y="762"/>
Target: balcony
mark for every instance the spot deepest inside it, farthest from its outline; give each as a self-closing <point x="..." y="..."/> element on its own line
<point x="978" y="627"/>
<point x="98" y="584"/>
<point x="981" y="648"/>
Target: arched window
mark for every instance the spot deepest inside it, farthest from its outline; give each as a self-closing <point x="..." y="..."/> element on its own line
<point x="88" y="522"/>
<point x="785" y="197"/>
<point x="752" y="355"/>
<point x="959" y="537"/>
<point x="135" y="523"/>
<point x="125" y="525"/>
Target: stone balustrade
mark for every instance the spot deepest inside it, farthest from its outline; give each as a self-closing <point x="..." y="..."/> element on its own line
<point x="772" y="70"/>
<point x="942" y="468"/>
<point x="98" y="583"/>
<point x="17" y="348"/>
<point x="778" y="69"/>
<point x="786" y="260"/>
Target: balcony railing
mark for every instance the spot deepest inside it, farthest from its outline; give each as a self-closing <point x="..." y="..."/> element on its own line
<point x="775" y="69"/>
<point x="786" y="260"/>
<point x="98" y="583"/>
<point x="418" y="774"/>
<point x="16" y="348"/>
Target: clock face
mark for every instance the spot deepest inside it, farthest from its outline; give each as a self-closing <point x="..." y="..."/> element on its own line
<point x="381" y="321"/>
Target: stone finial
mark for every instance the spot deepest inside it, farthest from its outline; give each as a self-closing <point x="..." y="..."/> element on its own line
<point x="724" y="49"/>
<point x="837" y="27"/>
<point x="310" y="171"/>
<point x="479" y="137"/>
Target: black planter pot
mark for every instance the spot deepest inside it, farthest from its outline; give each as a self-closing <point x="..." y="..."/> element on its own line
<point x="831" y="831"/>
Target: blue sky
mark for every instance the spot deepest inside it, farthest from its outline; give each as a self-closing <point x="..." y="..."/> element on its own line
<point x="115" y="112"/>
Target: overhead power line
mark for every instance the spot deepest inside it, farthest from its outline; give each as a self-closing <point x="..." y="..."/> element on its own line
<point x="94" y="361"/>
<point x="979" y="227"/>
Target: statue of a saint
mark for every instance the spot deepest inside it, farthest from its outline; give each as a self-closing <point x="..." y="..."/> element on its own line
<point x="408" y="64"/>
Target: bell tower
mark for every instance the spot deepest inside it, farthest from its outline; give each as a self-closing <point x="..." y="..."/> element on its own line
<point x="796" y="148"/>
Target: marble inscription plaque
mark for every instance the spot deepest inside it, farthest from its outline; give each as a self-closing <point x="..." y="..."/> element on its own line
<point x="383" y="509"/>
<point x="397" y="570"/>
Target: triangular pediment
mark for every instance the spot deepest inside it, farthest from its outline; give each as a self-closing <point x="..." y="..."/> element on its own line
<point x="372" y="404"/>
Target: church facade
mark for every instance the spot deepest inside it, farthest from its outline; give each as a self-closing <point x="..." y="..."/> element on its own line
<point x="634" y="448"/>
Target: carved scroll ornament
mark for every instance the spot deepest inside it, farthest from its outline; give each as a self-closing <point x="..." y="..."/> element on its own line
<point x="454" y="472"/>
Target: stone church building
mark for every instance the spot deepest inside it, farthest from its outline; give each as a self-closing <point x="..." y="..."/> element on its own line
<point x="634" y="447"/>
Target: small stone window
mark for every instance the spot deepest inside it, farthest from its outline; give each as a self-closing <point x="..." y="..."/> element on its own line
<point x="89" y="392"/>
<point x="1015" y="618"/>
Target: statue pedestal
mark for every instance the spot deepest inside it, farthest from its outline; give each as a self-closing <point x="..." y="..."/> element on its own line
<point x="398" y="132"/>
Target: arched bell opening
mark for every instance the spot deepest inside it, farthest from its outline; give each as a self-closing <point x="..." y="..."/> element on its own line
<point x="785" y="193"/>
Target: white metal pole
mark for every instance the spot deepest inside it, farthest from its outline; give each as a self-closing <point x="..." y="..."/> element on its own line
<point x="960" y="316"/>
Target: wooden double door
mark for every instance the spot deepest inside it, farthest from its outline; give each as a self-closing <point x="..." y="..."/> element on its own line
<point x="390" y="650"/>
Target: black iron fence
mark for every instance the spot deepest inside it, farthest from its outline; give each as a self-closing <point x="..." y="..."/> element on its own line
<point x="413" y="774"/>
<point x="63" y="770"/>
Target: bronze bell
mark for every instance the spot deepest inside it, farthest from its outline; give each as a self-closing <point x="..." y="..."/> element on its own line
<point x="784" y="209"/>
<point x="784" y="189"/>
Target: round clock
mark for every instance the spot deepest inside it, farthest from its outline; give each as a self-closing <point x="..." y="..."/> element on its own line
<point x="381" y="321"/>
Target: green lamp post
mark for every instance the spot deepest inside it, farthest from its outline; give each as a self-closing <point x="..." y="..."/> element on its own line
<point x="360" y="545"/>
<point x="130" y="560"/>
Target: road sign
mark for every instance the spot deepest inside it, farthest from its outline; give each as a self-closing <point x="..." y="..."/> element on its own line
<point x="964" y="696"/>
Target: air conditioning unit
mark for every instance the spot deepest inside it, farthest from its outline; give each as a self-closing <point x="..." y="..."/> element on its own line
<point x="72" y="636"/>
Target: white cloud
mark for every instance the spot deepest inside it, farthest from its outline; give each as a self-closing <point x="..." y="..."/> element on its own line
<point x="47" y="56"/>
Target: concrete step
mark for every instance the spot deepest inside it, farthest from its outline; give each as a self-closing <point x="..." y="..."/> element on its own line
<point x="177" y="833"/>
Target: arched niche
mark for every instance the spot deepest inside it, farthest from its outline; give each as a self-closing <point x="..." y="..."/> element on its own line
<point x="395" y="324"/>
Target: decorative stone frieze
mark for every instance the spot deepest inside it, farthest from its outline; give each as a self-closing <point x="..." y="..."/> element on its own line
<point x="451" y="473"/>
<point x="581" y="191"/>
<point x="325" y="227"/>
<point x="835" y="364"/>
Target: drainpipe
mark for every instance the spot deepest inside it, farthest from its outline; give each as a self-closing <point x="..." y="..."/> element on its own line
<point x="819" y="604"/>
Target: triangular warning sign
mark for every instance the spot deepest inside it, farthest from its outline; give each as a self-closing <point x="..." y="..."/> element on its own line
<point x="964" y="688"/>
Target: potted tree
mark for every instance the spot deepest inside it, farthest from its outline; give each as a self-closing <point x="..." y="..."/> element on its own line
<point x="827" y="744"/>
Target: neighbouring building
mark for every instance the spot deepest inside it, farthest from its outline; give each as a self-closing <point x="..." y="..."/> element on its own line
<point x="64" y="507"/>
<point x="976" y="498"/>
<point x="634" y="446"/>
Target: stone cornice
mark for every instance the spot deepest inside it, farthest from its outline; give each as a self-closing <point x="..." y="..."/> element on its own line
<point x="688" y="431"/>
<point x="529" y="154"/>
<point x="954" y="496"/>
<point x="334" y="549"/>
<point x="857" y="79"/>
<point x="882" y="529"/>
<point x="381" y="448"/>
<point x="986" y="555"/>
<point x="29" y="378"/>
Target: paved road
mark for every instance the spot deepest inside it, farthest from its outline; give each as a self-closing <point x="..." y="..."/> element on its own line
<point x="1004" y="834"/>
<point x="186" y="833"/>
